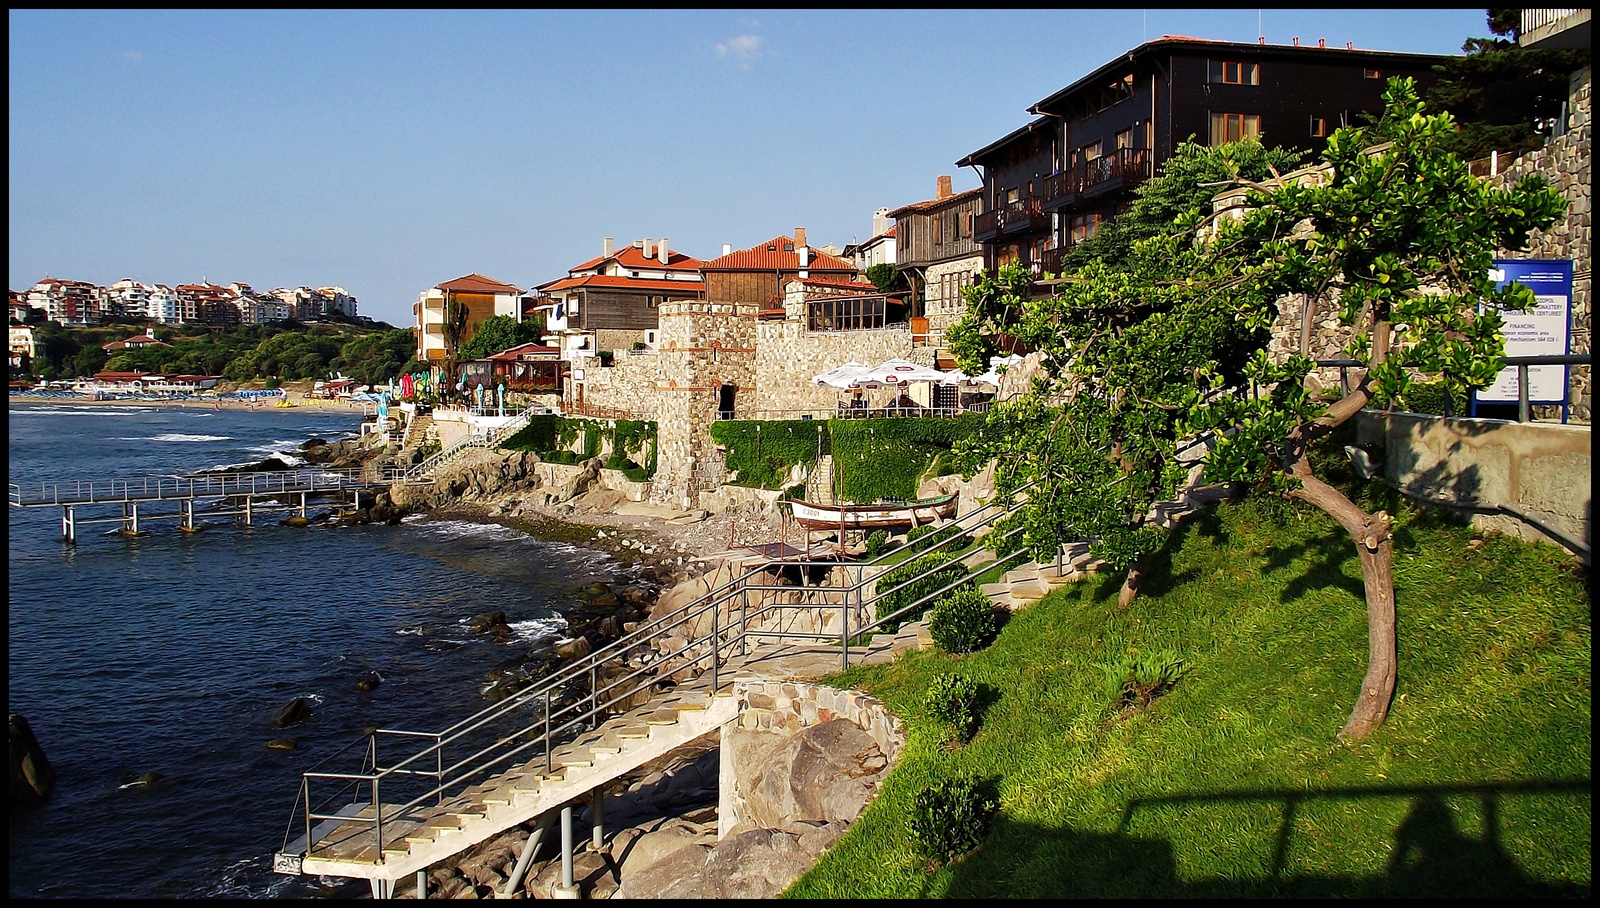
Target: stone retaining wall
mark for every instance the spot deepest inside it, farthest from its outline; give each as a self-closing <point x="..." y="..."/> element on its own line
<point x="1477" y="465"/>
<point x="789" y="707"/>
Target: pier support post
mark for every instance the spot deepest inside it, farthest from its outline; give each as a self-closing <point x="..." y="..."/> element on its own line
<point x="247" y="502"/>
<point x="188" y="515"/>
<point x="302" y="504"/>
<point x="422" y="884"/>
<point x="69" y="524"/>
<point x="529" y="849"/>
<point x="597" y="812"/>
<point x="567" y="890"/>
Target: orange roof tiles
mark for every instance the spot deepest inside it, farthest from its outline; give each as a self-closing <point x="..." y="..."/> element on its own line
<point x="477" y="283"/>
<point x="634" y="257"/>
<point x="617" y="280"/>
<point x="776" y="254"/>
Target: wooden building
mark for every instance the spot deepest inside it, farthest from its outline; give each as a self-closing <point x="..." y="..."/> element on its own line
<point x="611" y="302"/>
<point x="758" y="274"/>
<point x="939" y="255"/>
<point x="1051" y="183"/>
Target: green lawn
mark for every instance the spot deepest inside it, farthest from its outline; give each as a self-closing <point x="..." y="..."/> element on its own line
<point x="1233" y="784"/>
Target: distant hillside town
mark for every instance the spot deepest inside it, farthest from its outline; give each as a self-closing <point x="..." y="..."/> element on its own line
<point x="82" y="304"/>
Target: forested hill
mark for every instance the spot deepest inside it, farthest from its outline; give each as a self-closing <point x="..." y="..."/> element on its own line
<point x="286" y="351"/>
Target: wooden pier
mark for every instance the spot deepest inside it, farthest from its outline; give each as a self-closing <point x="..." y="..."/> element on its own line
<point x="228" y="495"/>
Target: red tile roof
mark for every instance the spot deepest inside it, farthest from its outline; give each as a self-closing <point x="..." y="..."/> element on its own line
<point x="634" y="257"/>
<point x="935" y="203"/>
<point x="477" y="283"/>
<point x="511" y="353"/>
<point x="866" y="287"/>
<point x="688" y="288"/>
<point x="776" y="254"/>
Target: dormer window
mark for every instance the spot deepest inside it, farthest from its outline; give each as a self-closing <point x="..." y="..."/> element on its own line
<point x="788" y="247"/>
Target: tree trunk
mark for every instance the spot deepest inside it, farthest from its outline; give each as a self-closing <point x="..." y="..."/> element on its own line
<point x="1371" y="533"/>
<point x="1130" y="586"/>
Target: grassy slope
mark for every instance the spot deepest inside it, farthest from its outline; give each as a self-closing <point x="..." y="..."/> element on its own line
<point x="1233" y="784"/>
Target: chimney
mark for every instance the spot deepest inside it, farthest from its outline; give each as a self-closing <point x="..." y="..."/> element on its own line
<point x="639" y="244"/>
<point x="608" y="247"/>
<point x="943" y="191"/>
<point x="1261" y="39"/>
<point x="648" y="247"/>
<point x="727" y="249"/>
<point x="1322" y="42"/>
<point x="880" y="222"/>
<point x="1296" y="40"/>
<point x="662" y="249"/>
<point x="799" y="236"/>
<point x="1349" y="45"/>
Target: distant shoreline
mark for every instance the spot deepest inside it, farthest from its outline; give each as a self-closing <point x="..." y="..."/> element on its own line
<point x="198" y="403"/>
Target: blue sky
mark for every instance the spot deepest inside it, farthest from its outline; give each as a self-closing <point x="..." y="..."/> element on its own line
<point x="385" y="152"/>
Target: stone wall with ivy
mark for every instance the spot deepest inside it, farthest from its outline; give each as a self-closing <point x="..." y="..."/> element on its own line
<point x="628" y="446"/>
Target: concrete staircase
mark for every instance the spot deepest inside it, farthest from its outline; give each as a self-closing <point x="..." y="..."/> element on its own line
<point x="415" y="839"/>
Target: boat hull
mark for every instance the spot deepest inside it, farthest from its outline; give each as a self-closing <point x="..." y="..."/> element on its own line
<point x="872" y="516"/>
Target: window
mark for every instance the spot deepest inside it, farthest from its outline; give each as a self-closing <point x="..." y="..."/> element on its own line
<point x="966" y="225"/>
<point x="1085" y="226"/>
<point x="1232" y="72"/>
<point x="1319" y="126"/>
<point x="1011" y="195"/>
<point x="1125" y="138"/>
<point x="1090" y="152"/>
<point x="1371" y="74"/>
<point x="1232" y="127"/>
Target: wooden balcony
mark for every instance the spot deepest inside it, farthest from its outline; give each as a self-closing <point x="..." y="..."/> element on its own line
<point x="1023" y="215"/>
<point x="1121" y="170"/>
<point x="986" y="226"/>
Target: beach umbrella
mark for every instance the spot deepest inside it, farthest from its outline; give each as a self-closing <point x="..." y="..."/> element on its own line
<point x="841" y="376"/>
<point x="895" y="373"/>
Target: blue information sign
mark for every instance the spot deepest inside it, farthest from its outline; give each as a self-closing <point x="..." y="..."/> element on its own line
<point x="1545" y="330"/>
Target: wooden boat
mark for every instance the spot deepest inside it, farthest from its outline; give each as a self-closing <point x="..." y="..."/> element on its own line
<point x="883" y="515"/>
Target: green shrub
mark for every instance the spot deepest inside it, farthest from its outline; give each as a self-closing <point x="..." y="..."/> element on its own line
<point x="1133" y="680"/>
<point x="762" y="453"/>
<point x="1430" y="397"/>
<point x="963" y="621"/>
<point x="939" y="534"/>
<point x="877" y="542"/>
<point x="893" y="602"/>
<point x="953" y="700"/>
<point x="878" y="459"/>
<point x="951" y="817"/>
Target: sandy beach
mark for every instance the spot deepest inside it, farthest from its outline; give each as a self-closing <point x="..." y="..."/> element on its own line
<point x="203" y="403"/>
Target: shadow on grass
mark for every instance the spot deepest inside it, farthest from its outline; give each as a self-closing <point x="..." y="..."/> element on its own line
<point x="1327" y="554"/>
<point x="1431" y="857"/>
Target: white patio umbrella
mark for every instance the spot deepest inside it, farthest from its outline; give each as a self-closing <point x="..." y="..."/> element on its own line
<point x="896" y="373"/>
<point x="992" y="377"/>
<point x="841" y="376"/>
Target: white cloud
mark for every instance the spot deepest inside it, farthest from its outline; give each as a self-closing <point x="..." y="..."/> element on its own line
<point x="133" y="56"/>
<point x="744" y="49"/>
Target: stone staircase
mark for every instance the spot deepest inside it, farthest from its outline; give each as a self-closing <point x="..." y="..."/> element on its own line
<point x="1026" y="584"/>
<point x="819" y="482"/>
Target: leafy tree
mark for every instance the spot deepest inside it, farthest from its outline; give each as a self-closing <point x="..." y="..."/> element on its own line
<point x="1504" y="97"/>
<point x="456" y="315"/>
<point x="885" y="277"/>
<point x="1170" y="346"/>
<point x="496" y="334"/>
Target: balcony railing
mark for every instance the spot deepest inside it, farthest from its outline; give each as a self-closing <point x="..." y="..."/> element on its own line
<point x="986" y="226"/>
<point x="1124" y="168"/>
<point x="1023" y="215"/>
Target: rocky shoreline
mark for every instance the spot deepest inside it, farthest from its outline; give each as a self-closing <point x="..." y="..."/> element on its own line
<point x="662" y="819"/>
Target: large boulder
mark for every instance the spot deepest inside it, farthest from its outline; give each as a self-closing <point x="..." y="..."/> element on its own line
<point x="826" y="773"/>
<point x="32" y="779"/>
<point x="295" y="710"/>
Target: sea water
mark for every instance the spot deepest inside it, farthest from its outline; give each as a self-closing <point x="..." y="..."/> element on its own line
<point x="168" y="653"/>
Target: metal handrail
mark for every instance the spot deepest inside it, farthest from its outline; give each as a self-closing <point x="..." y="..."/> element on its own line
<point x="556" y="720"/>
<point x="161" y="488"/>
<point x="485" y="439"/>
